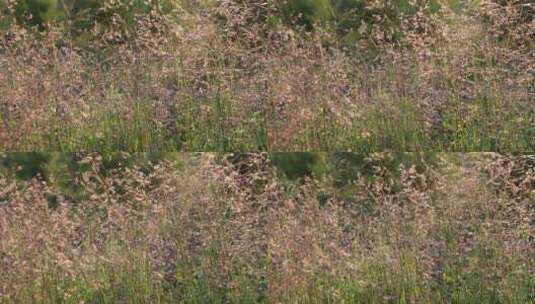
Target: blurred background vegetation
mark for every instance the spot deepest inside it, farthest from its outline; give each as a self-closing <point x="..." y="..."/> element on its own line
<point x="350" y="19"/>
<point x="337" y="172"/>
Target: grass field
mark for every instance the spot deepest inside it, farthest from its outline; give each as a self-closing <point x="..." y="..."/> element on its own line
<point x="267" y="151"/>
<point x="193" y="81"/>
<point x="195" y="228"/>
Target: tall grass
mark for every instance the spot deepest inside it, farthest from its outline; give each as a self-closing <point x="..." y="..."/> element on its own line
<point x="211" y="229"/>
<point x="193" y="78"/>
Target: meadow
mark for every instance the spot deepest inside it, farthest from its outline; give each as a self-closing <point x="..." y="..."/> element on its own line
<point x="235" y="228"/>
<point x="267" y="151"/>
<point x="252" y="76"/>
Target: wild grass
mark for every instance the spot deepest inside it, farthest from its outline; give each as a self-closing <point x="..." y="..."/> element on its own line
<point x="216" y="229"/>
<point x="194" y="78"/>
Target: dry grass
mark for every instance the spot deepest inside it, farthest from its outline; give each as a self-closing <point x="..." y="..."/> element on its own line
<point x="208" y="230"/>
<point x="213" y="228"/>
<point x="192" y="80"/>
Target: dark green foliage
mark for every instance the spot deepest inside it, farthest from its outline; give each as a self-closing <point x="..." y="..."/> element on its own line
<point x="86" y="20"/>
<point x="307" y="12"/>
<point x="346" y="167"/>
<point x="348" y="175"/>
<point x="85" y="14"/>
<point x="349" y="166"/>
<point x="5" y="16"/>
<point x="26" y="166"/>
<point x="357" y="18"/>
<point x="37" y="12"/>
<point x="296" y="165"/>
<point x="64" y="170"/>
<point x="348" y="16"/>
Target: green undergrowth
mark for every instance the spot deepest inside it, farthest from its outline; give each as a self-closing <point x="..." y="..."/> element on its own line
<point x="380" y="283"/>
<point x="195" y="128"/>
<point x="374" y="282"/>
<point x="482" y="126"/>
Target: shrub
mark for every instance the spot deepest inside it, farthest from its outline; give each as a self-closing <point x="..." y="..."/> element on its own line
<point x="90" y="21"/>
<point x="350" y="20"/>
<point x="26" y="165"/>
<point x="37" y="12"/>
<point x="119" y="17"/>
<point x="298" y="164"/>
<point x="356" y="18"/>
<point x="307" y="12"/>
